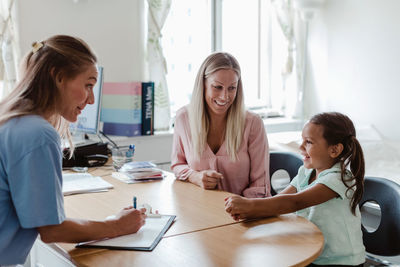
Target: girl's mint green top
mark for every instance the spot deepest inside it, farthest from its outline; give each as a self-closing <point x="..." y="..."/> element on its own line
<point x="343" y="242"/>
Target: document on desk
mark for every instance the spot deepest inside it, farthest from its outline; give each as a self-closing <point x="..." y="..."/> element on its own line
<point x="146" y="239"/>
<point x="75" y="183"/>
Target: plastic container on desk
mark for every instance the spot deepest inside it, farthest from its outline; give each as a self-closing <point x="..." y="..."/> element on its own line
<point x="122" y="155"/>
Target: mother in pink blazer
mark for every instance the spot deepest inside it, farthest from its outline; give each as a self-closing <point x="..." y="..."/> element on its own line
<point x="217" y="143"/>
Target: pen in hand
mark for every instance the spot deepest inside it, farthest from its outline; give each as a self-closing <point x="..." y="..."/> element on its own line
<point x="134" y="202"/>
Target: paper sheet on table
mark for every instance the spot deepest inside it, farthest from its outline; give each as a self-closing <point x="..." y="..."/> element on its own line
<point x="75" y="183"/>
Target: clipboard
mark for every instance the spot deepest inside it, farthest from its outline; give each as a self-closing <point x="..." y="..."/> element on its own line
<point x="146" y="239"/>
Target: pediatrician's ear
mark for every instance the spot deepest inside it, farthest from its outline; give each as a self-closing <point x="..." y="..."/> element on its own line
<point x="335" y="150"/>
<point x="58" y="78"/>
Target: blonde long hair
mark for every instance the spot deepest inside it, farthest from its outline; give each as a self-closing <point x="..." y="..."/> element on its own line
<point x="198" y="117"/>
<point x="37" y="92"/>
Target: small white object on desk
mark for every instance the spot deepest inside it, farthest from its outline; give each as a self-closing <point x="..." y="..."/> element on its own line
<point x="149" y="212"/>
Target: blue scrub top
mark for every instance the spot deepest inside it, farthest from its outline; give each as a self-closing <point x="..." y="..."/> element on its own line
<point x="30" y="184"/>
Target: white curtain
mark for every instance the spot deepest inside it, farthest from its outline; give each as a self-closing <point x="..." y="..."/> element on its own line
<point x="9" y="49"/>
<point x="158" y="12"/>
<point x="292" y="71"/>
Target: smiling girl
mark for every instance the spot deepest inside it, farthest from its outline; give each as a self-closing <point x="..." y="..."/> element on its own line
<point x="324" y="191"/>
<point x="217" y="143"/>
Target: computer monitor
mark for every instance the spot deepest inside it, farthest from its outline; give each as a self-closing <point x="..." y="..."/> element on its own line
<point x="88" y="120"/>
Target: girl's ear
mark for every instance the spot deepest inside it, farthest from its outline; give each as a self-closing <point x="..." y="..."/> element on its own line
<point x="335" y="150"/>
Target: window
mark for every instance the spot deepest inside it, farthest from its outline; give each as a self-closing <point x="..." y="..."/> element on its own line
<point x="242" y="27"/>
<point x="186" y="43"/>
<point x="246" y="29"/>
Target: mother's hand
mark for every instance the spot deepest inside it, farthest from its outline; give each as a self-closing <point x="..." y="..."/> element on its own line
<point x="207" y="179"/>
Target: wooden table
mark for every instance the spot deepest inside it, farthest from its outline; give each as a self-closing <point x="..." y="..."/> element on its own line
<point x="203" y="233"/>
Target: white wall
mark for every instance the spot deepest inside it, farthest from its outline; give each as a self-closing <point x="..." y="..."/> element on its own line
<point x="115" y="30"/>
<point x="354" y="62"/>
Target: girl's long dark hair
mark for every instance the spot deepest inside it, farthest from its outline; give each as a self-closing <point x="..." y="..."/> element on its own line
<point x="338" y="128"/>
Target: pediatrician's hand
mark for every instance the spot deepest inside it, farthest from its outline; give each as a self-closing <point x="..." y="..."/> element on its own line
<point x="207" y="179"/>
<point x="239" y="207"/>
<point x="129" y="220"/>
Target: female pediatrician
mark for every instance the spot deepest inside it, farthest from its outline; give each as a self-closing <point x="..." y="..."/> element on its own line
<point x="57" y="81"/>
<point x="217" y="143"/>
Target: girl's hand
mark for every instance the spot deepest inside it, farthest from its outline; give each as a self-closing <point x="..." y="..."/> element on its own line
<point x="207" y="179"/>
<point x="239" y="207"/>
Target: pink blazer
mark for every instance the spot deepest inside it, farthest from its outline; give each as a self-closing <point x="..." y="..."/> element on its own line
<point x="248" y="176"/>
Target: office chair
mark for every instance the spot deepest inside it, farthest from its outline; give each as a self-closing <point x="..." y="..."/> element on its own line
<point x="385" y="240"/>
<point x="287" y="161"/>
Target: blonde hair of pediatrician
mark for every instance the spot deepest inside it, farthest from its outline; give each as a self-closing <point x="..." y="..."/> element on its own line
<point x="198" y="117"/>
<point x="37" y="92"/>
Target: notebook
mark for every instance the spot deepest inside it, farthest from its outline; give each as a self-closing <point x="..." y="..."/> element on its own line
<point x="74" y="183"/>
<point x="146" y="239"/>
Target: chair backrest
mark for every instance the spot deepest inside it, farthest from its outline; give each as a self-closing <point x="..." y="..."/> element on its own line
<point x="287" y="161"/>
<point x="385" y="240"/>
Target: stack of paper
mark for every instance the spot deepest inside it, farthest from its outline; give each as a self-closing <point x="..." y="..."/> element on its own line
<point x="75" y="183"/>
<point x="138" y="171"/>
